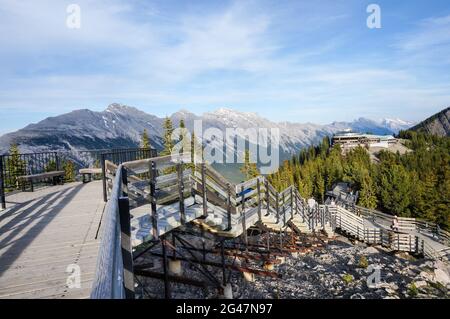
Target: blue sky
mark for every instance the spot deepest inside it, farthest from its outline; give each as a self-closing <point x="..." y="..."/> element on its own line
<point x="302" y="61"/>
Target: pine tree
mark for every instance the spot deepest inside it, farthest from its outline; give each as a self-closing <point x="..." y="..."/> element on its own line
<point x="15" y="165"/>
<point x="145" y="141"/>
<point x="167" y="137"/>
<point x="184" y="138"/>
<point x="69" y="171"/>
<point x="250" y="170"/>
<point x="395" y="190"/>
<point x="367" y="194"/>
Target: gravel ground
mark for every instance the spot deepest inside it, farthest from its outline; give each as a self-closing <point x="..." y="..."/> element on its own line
<point x="340" y="270"/>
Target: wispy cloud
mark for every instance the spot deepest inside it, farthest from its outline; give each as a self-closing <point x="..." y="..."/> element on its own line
<point x="280" y="59"/>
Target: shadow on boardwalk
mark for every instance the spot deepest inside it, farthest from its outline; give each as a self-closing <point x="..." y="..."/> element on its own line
<point x="28" y="220"/>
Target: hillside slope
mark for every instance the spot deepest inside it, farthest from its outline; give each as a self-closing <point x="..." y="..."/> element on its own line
<point x="438" y="124"/>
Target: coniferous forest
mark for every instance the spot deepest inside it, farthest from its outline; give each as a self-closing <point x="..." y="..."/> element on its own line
<point x="415" y="184"/>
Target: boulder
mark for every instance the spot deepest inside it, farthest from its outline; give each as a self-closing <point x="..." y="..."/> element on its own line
<point x="420" y="283"/>
<point x="441" y="277"/>
<point x="370" y="251"/>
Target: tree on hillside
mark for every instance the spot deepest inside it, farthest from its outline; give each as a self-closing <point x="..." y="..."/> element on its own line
<point x="167" y="137"/>
<point x="69" y="171"/>
<point x="249" y="170"/>
<point x="184" y="138"/>
<point x="368" y="192"/>
<point x="395" y="190"/>
<point x="145" y="141"/>
<point x="15" y="165"/>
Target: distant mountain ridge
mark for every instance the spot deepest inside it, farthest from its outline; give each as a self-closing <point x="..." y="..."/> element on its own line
<point x="438" y="124"/>
<point x="121" y="126"/>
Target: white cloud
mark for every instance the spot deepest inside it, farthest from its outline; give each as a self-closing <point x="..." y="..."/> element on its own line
<point x="270" y="57"/>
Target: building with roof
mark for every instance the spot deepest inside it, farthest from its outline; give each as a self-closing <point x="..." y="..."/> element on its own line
<point x="348" y="139"/>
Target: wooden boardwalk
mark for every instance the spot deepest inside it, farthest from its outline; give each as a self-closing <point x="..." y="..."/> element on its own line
<point x="42" y="233"/>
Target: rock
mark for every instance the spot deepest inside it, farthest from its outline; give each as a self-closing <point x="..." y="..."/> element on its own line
<point x="420" y="283"/>
<point x="441" y="277"/>
<point x="370" y="251"/>
<point x="426" y="275"/>
<point x="390" y="291"/>
<point x="357" y="296"/>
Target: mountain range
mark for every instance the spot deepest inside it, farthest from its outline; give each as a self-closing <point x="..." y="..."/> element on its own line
<point x="120" y="126"/>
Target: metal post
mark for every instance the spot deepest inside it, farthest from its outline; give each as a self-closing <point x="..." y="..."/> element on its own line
<point x="125" y="237"/>
<point x="292" y="202"/>
<point x="2" y="185"/>
<point x="222" y="255"/>
<point x="267" y="198"/>
<point x="284" y="209"/>
<point x="277" y="204"/>
<point x="57" y="161"/>
<point x="181" y="193"/>
<point x="166" y="271"/>
<point x="244" y="226"/>
<point x="124" y="181"/>
<point x="127" y="252"/>
<point x="258" y="188"/>
<point x="229" y="207"/>
<point x="152" y="182"/>
<point x="204" y="191"/>
<point x="102" y="160"/>
<point x="174" y="251"/>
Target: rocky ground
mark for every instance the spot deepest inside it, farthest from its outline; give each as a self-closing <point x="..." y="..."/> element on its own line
<point x="340" y="270"/>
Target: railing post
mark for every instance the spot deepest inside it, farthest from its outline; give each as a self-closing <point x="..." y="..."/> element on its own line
<point x="229" y="207"/>
<point x="102" y="160"/>
<point x="125" y="238"/>
<point x="244" y="224"/>
<point x="292" y="202"/>
<point x="277" y="204"/>
<point x="181" y="193"/>
<point x="204" y="190"/>
<point x="166" y="271"/>
<point x="267" y="197"/>
<point x="57" y="161"/>
<point x="258" y="188"/>
<point x="222" y="255"/>
<point x="284" y="209"/>
<point x="2" y="185"/>
<point x="152" y="182"/>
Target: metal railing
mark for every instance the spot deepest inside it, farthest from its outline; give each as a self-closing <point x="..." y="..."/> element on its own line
<point x="119" y="156"/>
<point x="12" y="166"/>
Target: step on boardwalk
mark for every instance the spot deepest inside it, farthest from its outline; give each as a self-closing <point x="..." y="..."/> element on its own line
<point x="42" y="233"/>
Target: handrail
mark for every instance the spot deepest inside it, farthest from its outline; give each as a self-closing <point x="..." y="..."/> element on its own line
<point x="108" y="282"/>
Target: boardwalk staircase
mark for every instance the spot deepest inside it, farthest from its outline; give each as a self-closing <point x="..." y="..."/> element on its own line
<point x="166" y="193"/>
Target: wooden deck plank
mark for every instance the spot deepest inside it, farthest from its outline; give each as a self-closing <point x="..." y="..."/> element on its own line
<point x="43" y="232"/>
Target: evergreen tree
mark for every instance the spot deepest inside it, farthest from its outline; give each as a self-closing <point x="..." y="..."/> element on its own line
<point x="367" y="194"/>
<point x="167" y="137"/>
<point x="15" y="165"/>
<point x="69" y="170"/>
<point x="184" y="138"/>
<point x="145" y="141"/>
<point x="250" y="170"/>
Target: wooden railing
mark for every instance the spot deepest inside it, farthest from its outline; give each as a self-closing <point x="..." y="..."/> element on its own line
<point x="405" y="224"/>
<point x="114" y="274"/>
<point x="198" y="191"/>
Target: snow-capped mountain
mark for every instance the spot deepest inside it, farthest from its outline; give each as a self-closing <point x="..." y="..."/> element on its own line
<point x="121" y="126"/>
<point x="396" y="125"/>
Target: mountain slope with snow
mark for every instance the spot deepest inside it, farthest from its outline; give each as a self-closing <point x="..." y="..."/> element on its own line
<point x="121" y="126"/>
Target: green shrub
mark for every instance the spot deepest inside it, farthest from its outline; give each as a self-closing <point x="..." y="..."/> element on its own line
<point x="363" y="262"/>
<point x="347" y="278"/>
<point x="412" y="290"/>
